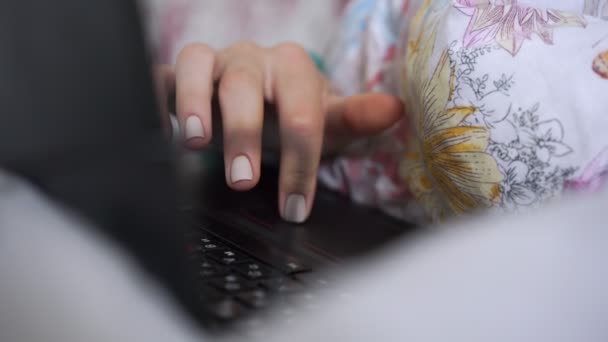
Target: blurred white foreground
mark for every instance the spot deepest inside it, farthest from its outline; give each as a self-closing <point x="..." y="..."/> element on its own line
<point x="538" y="278"/>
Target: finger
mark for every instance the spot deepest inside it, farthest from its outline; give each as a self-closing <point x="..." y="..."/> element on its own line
<point x="241" y="98"/>
<point x="298" y="93"/>
<point x="194" y="89"/>
<point x="350" y="118"/>
<point x="164" y="77"/>
<point x="364" y="114"/>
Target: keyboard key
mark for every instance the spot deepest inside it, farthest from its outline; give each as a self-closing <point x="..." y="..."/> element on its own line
<point x="290" y="266"/>
<point x="282" y="285"/>
<point x="209" y="263"/>
<point x="228" y="257"/>
<point x="254" y="270"/>
<point x="211" y="247"/>
<point x="232" y="283"/>
<point x="210" y="244"/>
<point x="209" y="273"/>
<point x="313" y="279"/>
<point x="256" y="298"/>
<point x="306" y="300"/>
<point x="197" y="249"/>
<point x="226" y="309"/>
<point x="209" y="268"/>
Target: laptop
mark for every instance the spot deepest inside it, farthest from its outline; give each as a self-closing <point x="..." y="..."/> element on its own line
<point x="84" y="114"/>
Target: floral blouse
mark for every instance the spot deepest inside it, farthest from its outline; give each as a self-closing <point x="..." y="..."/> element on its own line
<point x="507" y="103"/>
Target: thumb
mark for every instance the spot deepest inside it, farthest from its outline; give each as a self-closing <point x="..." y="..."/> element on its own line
<point x="362" y="115"/>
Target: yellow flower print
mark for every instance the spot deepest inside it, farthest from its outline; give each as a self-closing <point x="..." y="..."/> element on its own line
<point x="448" y="169"/>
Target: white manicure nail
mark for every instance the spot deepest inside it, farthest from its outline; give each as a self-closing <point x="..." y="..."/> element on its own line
<point x="295" y="208"/>
<point x="194" y="127"/>
<point x="241" y="169"/>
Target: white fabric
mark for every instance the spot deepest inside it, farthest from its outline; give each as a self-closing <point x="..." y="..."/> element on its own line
<point x="62" y="282"/>
<point x="537" y="278"/>
<point x="516" y="118"/>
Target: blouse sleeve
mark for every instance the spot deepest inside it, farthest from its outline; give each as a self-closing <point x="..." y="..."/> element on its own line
<point x="361" y="59"/>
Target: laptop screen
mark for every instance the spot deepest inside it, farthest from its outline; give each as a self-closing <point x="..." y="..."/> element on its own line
<point x="79" y="120"/>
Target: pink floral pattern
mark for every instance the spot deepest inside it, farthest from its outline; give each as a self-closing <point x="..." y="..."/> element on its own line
<point x="221" y="23"/>
<point x="510" y="24"/>
<point x="593" y="176"/>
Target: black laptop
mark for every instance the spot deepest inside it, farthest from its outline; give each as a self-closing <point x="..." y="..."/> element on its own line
<point x="84" y="127"/>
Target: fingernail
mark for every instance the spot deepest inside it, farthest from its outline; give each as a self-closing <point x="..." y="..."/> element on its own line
<point x="194" y="127"/>
<point x="295" y="208"/>
<point x="174" y="129"/>
<point x="241" y="169"/>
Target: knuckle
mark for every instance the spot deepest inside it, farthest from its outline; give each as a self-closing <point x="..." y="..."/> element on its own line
<point x="302" y="126"/>
<point x="196" y="50"/>
<point x="245" y="47"/>
<point x="292" y="52"/>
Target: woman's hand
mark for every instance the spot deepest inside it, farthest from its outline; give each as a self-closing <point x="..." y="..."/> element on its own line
<point x="311" y="119"/>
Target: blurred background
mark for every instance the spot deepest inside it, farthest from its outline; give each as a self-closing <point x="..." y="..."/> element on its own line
<point x="219" y="23"/>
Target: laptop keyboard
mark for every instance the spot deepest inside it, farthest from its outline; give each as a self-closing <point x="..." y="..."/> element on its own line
<point x="234" y="284"/>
